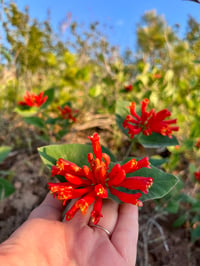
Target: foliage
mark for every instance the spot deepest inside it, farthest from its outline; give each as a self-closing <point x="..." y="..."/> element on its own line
<point x="87" y="73"/>
<point x="6" y="188"/>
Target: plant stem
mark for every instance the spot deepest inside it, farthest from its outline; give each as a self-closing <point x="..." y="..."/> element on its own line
<point x="129" y="150"/>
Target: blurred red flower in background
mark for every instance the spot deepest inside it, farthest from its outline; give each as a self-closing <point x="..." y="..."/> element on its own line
<point x="197" y="144"/>
<point x="31" y="99"/>
<point x="149" y="122"/>
<point x="68" y="113"/>
<point x="128" y="87"/>
<point x="197" y="175"/>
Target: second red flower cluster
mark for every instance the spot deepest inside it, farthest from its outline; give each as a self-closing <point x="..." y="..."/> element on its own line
<point x="149" y="122"/>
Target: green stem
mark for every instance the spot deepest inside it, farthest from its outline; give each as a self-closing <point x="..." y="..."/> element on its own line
<point x="129" y="150"/>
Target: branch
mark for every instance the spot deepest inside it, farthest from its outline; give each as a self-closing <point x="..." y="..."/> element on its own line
<point x="196" y="1"/>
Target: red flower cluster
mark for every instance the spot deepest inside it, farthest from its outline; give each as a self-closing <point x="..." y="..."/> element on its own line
<point x="67" y="113"/>
<point x="91" y="184"/>
<point x="149" y="122"/>
<point x="197" y="176"/>
<point x="31" y="99"/>
<point x="128" y="87"/>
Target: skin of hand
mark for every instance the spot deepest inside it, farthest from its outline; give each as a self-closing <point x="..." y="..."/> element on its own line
<point x="47" y="240"/>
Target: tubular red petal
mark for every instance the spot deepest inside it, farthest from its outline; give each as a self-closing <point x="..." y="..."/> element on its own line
<point x="133" y="130"/>
<point x="62" y="164"/>
<point x="76" y="193"/>
<point x="144" y="104"/>
<point x="85" y="202"/>
<point x="137" y="183"/>
<point x="102" y="174"/>
<point x="106" y="158"/>
<point x="56" y="187"/>
<point x="90" y="158"/>
<point x="127" y="198"/>
<point x="161" y="115"/>
<point x="71" y="212"/>
<point x="114" y="171"/>
<point x="76" y="180"/>
<point x="143" y="163"/>
<point x="130" y="166"/>
<point x="171" y="121"/>
<point x="96" y="146"/>
<point x="101" y="191"/>
<point x="63" y="191"/>
<point x="133" y="112"/>
<point x="39" y="99"/>
<point x="96" y="166"/>
<point x="56" y="171"/>
<point x="174" y="128"/>
<point x="130" y="119"/>
<point x="88" y="173"/>
<point x="96" y="212"/>
<point x="116" y="177"/>
<point x="147" y="132"/>
<point x="28" y="98"/>
<point x="69" y="167"/>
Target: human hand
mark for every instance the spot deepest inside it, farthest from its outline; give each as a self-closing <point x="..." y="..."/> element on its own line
<point x="45" y="240"/>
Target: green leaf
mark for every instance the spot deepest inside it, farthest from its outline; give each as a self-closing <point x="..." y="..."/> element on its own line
<point x="36" y="121"/>
<point x="121" y="111"/>
<point x="180" y="221"/>
<point x="6" y="188"/>
<point x="156" y="140"/>
<point x="163" y="182"/>
<point x="196" y="207"/>
<point x="61" y="133"/>
<point x="157" y="162"/>
<point x="172" y="207"/>
<point x="95" y="91"/>
<point x="50" y="94"/>
<point x="51" y="121"/>
<point x="187" y="199"/>
<point x="26" y="111"/>
<point x="76" y="153"/>
<point x="195" y="233"/>
<point x="4" y="151"/>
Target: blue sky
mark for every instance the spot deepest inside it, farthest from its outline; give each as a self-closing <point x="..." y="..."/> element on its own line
<point x="123" y="15"/>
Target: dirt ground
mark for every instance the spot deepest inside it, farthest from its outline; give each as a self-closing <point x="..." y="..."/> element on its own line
<point x="159" y="243"/>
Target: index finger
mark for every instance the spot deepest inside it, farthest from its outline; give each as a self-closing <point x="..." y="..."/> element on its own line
<point x="50" y="209"/>
<point x="125" y="234"/>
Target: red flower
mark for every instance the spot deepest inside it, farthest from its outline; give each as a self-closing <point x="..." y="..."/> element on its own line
<point x="128" y="87"/>
<point x="67" y="113"/>
<point x="157" y="75"/>
<point x="92" y="184"/>
<point x="197" y="144"/>
<point x="31" y="99"/>
<point x="197" y="176"/>
<point x="149" y="122"/>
